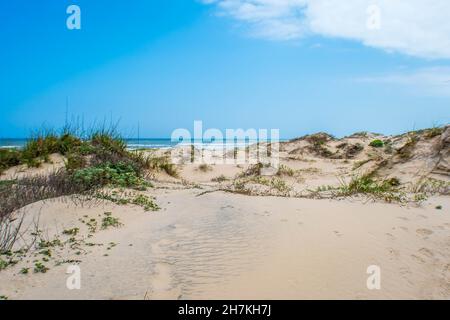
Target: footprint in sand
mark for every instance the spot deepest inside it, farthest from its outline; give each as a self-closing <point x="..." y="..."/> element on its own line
<point x="404" y="229"/>
<point x="391" y="236"/>
<point x="418" y="259"/>
<point x="405" y="271"/>
<point x="394" y="253"/>
<point x="424" y="232"/>
<point x="426" y="252"/>
<point x="337" y="233"/>
<point x="403" y="218"/>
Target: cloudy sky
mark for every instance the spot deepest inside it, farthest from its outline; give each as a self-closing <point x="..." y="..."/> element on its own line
<point x="297" y="65"/>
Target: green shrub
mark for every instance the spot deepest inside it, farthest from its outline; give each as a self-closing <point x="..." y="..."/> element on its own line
<point x="41" y="147"/>
<point x="9" y="158"/>
<point x="75" y="161"/>
<point x="118" y="174"/>
<point x="108" y="143"/>
<point x="376" y="143"/>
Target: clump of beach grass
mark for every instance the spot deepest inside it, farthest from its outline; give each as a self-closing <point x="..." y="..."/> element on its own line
<point x="364" y="185"/>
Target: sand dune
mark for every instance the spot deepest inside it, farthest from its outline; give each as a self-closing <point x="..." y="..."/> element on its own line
<point x="208" y="241"/>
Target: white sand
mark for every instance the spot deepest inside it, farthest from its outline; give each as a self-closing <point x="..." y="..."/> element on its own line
<point x="219" y="245"/>
<point x="230" y="246"/>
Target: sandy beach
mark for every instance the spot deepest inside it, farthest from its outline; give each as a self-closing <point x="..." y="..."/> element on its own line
<point x="221" y="246"/>
<point x="242" y="237"/>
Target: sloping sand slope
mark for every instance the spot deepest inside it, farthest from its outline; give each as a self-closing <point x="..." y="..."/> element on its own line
<point x="221" y="245"/>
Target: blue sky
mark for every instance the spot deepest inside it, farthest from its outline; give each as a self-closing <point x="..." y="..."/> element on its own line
<point x="164" y="64"/>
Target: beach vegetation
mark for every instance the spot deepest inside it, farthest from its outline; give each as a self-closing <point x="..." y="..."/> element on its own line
<point x="9" y="158"/>
<point x="219" y="179"/>
<point x="433" y="132"/>
<point x="284" y="170"/>
<point x="377" y="143"/>
<point x="39" y="267"/>
<point x="110" y="221"/>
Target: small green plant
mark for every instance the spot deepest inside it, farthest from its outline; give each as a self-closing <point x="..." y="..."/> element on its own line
<point x="376" y="143"/>
<point x="439" y="207"/>
<point x="3" y="297"/>
<point x="3" y="264"/>
<point x="24" y="270"/>
<point x="46" y="252"/>
<point x="145" y="202"/>
<point x="71" y="232"/>
<point x="110" y="221"/>
<point x="40" y="268"/>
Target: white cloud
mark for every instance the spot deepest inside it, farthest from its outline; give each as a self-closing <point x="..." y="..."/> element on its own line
<point x="433" y="81"/>
<point x="415" y="27"/>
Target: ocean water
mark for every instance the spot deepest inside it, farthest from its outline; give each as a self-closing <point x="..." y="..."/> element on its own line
<point x="131" y="143"/>
<point x="138" y="143"/>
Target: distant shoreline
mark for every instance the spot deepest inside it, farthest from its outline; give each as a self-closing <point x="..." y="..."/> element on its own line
<point x="133" y="143"/>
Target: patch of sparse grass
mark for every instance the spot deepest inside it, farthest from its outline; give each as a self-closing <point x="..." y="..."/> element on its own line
<point x="407" y="150"/>
<point x="433" y="132"/>
<point x="163" y="164"/>
<point x="365" y="184"/>
<point x="279" y="185"/>
<point x="284" y="170"/>
<point x="122" y="199"/>
<point x="431" y="186"/>
<point x="219" y="179"/>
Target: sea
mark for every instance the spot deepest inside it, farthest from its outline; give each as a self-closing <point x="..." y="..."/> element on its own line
<point x="135" y="144"/>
